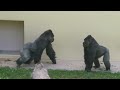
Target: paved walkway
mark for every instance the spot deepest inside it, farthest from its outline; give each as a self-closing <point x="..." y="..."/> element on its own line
<point x="64" y="65"/>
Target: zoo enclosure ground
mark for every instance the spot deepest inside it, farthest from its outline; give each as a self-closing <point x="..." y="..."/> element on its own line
<point x="61" y="65"/>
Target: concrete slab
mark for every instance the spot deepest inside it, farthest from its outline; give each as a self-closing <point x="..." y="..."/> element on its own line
<point x="62" y="65"/>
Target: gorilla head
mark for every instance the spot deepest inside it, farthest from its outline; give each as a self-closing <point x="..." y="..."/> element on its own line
<point x="88" y="41"/>
<point x="48" y="35"/>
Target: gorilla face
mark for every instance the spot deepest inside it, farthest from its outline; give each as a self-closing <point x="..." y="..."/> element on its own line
<point x="51" y="38"/>
<point x="86" y="44"/>
<point x="87" y="41"/>
<point x="50" y="35"/>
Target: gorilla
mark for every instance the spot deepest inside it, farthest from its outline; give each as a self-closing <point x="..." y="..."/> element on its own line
<point x="93" y="51"/>
<point x="33" y="51"/>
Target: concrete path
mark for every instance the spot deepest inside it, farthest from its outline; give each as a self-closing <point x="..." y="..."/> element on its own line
<point x="64" y="65"/>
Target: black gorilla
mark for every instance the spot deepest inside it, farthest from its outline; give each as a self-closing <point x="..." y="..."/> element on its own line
<point x="93" y="51"/>
<point x="33" y="51"/>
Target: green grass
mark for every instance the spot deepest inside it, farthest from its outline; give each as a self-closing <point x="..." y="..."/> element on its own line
<point x="22" y="73"/>
<point x="15" y="73"/>
<point x="63" y="74"/>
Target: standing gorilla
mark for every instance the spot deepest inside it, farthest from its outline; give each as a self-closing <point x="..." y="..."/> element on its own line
<point x="93" y="51"/>
<point x="33" y="51"/>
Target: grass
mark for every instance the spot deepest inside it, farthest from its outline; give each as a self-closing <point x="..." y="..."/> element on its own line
<point x="15" y="73"/>
<point x="63" y="74"/>
<point x="22" y="73"/>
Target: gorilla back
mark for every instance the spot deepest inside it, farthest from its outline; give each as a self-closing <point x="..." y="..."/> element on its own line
<point x="33" y="51"/>
<point x="93" y="51"/>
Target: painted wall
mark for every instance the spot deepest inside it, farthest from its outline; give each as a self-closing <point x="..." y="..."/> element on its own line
<point x="70" y="28"/>
<point x="11" y="35"/>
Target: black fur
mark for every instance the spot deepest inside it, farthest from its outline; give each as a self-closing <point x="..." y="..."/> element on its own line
<point x="93" y="51"/>
<point x="51" y="53"/>
<point x="33" y="51"/>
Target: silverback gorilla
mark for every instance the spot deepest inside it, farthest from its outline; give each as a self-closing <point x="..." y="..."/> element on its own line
<point x="33" y="51"/>
<point x="93" y="51"/>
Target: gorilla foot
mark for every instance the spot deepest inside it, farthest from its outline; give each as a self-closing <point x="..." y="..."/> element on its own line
<point x="54" y="63"/>
<point x="96" y="67"/>
<point x="107" y="69"/>
<point x="18" y="66"/>
<point x="88" y="70"/>
<point x="37" y="62"/>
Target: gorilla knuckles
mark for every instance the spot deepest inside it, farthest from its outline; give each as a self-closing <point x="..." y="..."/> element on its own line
<point x="93" y="51"/>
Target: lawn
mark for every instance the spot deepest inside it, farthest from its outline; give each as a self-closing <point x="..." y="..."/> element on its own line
<point x="22" y="73"/>
<point x="15" y="73"/>
<point x="64" y="74"/>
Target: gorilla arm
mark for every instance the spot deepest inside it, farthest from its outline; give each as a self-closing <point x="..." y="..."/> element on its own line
<point x="51" y="53"/>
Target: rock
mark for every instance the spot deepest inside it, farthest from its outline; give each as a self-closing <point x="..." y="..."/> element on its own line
<point x="40" y="72"/>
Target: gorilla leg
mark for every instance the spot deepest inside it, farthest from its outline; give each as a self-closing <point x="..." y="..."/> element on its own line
<point x="106" y="59"/>
<point x="24" y="57"/>
<point x="19" y="62"/>
<point x="31" y="58"/>
<point x="37" y="58"/>
<point x="88" y="67"/>
<point x="97" y="64"/>
<point x="89" y="64"/>
<point x="29" y="61"/>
